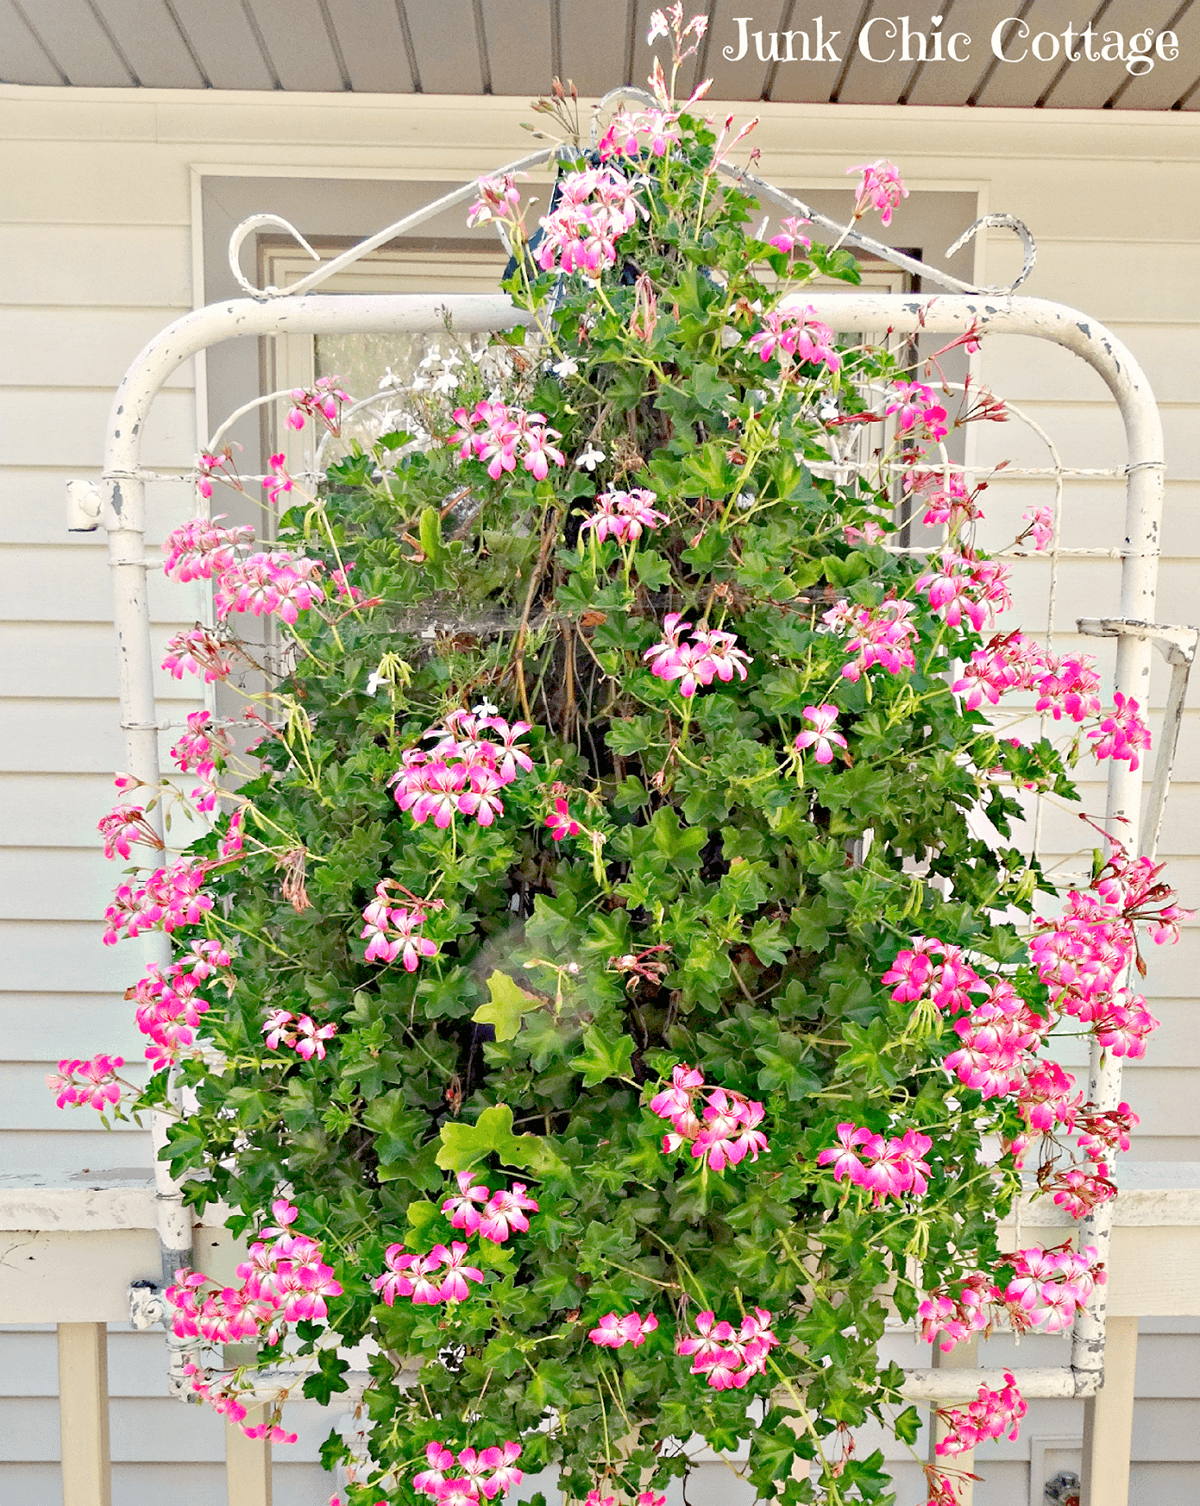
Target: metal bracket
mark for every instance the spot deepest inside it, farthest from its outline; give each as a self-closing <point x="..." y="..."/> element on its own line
<point x="147" y="1305"/>
<point x="1177" y="644"/>
<point x="84" y="505"/>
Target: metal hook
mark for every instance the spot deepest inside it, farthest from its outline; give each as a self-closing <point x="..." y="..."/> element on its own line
<point x="237" y="240"/>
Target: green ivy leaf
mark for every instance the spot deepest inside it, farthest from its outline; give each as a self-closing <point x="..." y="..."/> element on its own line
<point x="465" y="1145"/>
<point x="603" y="1056"/>
<point x="506" y="1004"/>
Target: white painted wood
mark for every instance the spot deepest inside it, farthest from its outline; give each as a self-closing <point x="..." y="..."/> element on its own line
<point x="959" y="1467"/>
<point x="1108" y="1420"/>
<point x="111" y="266"/>
<point x="247" y="1463"/>
<point x="42" y="1280"/>
<point x="62" y="422"/>
<point x="83" y="1414"/>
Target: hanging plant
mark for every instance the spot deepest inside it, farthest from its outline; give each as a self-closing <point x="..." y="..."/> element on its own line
<point x="597" y="992"/>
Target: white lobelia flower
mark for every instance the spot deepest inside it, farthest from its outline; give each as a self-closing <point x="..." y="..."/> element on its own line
<point x="567" y="367"/>
<point x="590" y="458"/>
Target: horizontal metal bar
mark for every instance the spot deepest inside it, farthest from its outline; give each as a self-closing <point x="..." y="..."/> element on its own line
<point x="963" y="1385"/>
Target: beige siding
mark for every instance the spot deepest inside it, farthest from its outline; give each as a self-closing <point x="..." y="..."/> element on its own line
<point x="96" y="247"/>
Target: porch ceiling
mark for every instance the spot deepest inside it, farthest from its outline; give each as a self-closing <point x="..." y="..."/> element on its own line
<point x="513" y="47"/>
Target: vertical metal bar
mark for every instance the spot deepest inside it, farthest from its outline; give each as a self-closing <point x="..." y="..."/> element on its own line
<point x="247" y="1463"/>
<point x="1108" y="1420"/>
<point x="1181" y="664"/>
<point x="1139" y="583"/>
<point x="126" y="514"/>
<point x="83" y="1414"/>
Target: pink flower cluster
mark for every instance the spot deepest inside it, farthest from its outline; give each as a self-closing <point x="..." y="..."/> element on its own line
<point x="202" y="747"/>
<point x="301" y="1032"/>
<point x="200" y="653"/>
<point x="87" y="1082"/>
<point x="962" y="585"/>
<point x="221" y="466"/>
<point x="465" y="770"/>
<point x="992" y="1416"/>
<point x="322" y="401"/>
<point x="724" y="1133"/>
<point x="442" y="1275"/>
<point x="561" y="822"/>
<point x="659" y="127"/>
<point x="1041" y="527"/>
<point x="277" y="482"/>
<point x="170" y="1004"/>
<point x="275" y="581"/>
<point x="916" y="408"/>
<point x="284" y="1280"/>
<point x="1081" y="955"/>
<point x="476" y="1209"/>
<point x="170" y="898"/>
<point x="500" y="436"/>
<point x="200" y="549"/>
<point x="489" y="1473"/>
<point x="499" y="199"/>
<point x="997" y="1033"/>
<point x="625" y="515"/>
<point x="595" y="208"/>
<point x="1099" y="1135"/>
<point x="1047" y="1287"/>
<point x="881" y="188"/>
<point x="1122" y="734"/>
<point x="877" y="635"/>
<point x="790" y="236"/>
<point x="800" y="334"/>
<point x="615" y="1331"/>
<point x="224" y="1390"/>
<point x="884" y="1168"/>
<point x="711" y="655"/>
<point x="410" y="1275"/>
<point x="946" y="499"/>
<point x="953" y="1319"/>
<point x="393" y="932"/>
<point x="1010" y="661"/>
<point x="645" y="1498"/>
<point x="124" y="826"/>
<point x="1036" y="1288"/>
<point x="729" y="1358"/>
<point x="821" y="735"/>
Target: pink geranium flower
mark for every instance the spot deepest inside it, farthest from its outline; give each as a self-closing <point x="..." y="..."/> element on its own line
<point x="881" y="188"/>
<point x="820" y="736"/>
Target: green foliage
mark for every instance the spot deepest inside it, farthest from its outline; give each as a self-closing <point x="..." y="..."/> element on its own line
<point x="727" y="903"/>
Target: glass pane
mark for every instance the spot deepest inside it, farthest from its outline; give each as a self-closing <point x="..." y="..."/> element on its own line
<point x="388" y="367"/>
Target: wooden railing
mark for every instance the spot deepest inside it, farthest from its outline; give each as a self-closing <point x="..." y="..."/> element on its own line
<point x="76" y="1243"/>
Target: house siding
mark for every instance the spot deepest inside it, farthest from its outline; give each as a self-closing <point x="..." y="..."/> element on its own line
<point x="98" y="251"/>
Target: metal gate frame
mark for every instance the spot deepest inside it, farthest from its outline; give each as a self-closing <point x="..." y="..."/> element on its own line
<point x="118" y="504"/>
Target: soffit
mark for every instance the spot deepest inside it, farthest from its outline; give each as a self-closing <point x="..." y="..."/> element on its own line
<point x="513" y="47"/>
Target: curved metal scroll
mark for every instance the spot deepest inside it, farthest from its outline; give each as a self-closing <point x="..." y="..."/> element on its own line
<point x="844" y="234"/>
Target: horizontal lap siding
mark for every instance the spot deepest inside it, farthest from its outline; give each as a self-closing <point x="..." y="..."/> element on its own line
<point x="96" y="249"/>
<point x="79" y="297"/>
